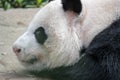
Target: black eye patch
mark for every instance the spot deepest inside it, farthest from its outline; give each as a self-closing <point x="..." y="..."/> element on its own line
<point x="40" y="35"/>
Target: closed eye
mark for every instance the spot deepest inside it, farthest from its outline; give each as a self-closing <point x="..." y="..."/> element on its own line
<point x="40" y="35"/>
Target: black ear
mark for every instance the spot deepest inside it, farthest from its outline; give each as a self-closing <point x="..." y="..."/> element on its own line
<point x="72" y="5"/>
<point x="50" y="0"/>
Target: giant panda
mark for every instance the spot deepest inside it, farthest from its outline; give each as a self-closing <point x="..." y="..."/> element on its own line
<point x="73" y="40"/>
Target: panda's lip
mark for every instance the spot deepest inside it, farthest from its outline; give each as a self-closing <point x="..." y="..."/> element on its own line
<point x="30" y="61"/>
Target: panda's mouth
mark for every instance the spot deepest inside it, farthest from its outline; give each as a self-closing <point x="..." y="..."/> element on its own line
<point x="30" y="61"/>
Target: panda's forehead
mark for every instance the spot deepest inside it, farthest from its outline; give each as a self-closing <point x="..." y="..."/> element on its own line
<point x="47" y="16"/>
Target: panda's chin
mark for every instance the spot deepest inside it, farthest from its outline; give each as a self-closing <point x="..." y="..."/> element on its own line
<point x="33" y="64"/>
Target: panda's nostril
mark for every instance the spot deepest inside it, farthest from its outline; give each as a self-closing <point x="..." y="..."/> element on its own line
<point x="16" y="50"/>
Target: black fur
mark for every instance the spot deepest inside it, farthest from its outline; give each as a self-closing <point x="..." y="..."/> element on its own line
<point x="86" y="69"/>
<point x="105" y="49"/>
<point x="50" y="0"/>
<point x="40" y="35"/>
<point x="72" y="5"/>
<point x="101" y="60"/>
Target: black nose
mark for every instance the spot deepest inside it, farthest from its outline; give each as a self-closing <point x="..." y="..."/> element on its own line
<point x="16" y="50"/>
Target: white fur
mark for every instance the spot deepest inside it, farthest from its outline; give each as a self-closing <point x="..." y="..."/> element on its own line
<point x="67" y="32"/>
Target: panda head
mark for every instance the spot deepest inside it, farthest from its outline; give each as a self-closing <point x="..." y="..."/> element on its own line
<point x="61" y="29"/>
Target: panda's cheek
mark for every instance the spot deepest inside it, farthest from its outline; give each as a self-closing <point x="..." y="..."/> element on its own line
<point x="49" y="46"/>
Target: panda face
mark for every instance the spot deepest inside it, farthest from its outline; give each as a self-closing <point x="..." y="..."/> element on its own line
<point x="57" y="34"/>
<point x="49" y="41"/>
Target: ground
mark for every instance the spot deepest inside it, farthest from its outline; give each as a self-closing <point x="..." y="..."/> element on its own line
<point x="13" y="23"/>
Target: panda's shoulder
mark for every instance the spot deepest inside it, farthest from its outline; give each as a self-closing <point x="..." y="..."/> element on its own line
<point x="109" y="37"/>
